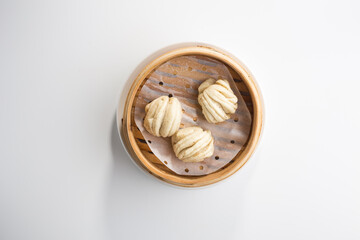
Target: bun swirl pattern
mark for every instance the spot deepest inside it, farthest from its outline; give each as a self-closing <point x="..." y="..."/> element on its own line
<point x="217" y="100"/>
<point x="193" y="144"/>
<point x="163" y="116"/>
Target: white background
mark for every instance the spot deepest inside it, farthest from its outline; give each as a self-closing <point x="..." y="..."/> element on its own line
<point x="65" y="175"/>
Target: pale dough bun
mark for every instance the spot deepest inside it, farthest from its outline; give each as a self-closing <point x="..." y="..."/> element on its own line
<point x="217" y="100"/>
<point x="193" y="144"/>
<point x="163" y="116"/>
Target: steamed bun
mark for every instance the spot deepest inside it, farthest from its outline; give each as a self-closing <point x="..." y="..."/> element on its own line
<point x="163" y="116"/>
<point x="193" y="144"/>
<point x="217" y="100"/>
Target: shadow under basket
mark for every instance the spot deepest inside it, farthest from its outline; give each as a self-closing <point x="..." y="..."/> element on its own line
<point x="138" y="148"/>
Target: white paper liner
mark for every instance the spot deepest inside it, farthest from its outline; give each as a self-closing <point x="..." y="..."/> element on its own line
<point x="181" y="77"/>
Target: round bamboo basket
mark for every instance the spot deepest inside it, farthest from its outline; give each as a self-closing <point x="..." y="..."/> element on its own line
<point x="140" y="152"/>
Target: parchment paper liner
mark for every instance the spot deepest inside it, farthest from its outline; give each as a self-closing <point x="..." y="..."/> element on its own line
<point x="181" y="78"/>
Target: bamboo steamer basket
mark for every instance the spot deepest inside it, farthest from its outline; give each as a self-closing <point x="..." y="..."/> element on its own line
<point x="138" y="148"/>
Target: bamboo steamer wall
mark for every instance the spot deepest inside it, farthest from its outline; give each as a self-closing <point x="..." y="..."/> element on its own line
<point x="138" y="148"/>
